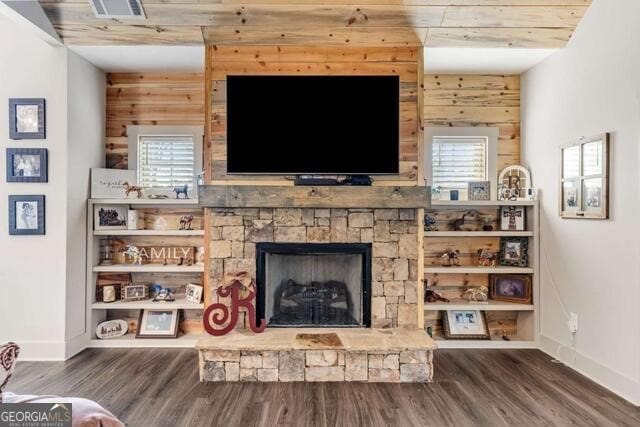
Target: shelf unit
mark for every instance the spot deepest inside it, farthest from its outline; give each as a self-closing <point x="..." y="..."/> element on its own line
<point x="156" y="273"/>
<point x="524" y="317"/>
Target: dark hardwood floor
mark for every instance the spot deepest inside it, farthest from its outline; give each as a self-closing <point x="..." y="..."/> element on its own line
<point x="470" y="388"/>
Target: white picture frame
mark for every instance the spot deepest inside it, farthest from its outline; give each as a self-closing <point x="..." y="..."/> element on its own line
<point x="109" y="183"/>
<point x="193" y="293"/>
<point x="158" y="323"/>
<point x="512" y="218"/>
<point x="110" y="217"/>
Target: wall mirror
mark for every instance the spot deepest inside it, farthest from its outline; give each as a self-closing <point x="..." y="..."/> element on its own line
<point x="584" y="191"/>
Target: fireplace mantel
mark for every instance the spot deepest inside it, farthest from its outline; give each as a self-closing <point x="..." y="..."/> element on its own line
<point x="281" y="196"/>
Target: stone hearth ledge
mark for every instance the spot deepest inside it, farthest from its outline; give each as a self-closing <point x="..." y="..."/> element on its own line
<point x="366" y="355"/>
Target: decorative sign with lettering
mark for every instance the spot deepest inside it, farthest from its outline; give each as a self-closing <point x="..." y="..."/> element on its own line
<point x="168" y="255"/>
<point x="109" y="183"/>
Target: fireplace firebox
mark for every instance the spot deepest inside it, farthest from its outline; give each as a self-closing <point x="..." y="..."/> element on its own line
<point x="314" y="284"/>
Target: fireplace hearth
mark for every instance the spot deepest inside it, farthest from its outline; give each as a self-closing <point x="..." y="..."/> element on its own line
<point x="314" y="285"/>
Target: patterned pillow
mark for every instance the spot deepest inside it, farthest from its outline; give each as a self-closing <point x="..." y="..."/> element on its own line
<point x="8" y="355"/>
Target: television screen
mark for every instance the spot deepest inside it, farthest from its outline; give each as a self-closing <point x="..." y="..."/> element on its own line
<point x="313" y="125"/>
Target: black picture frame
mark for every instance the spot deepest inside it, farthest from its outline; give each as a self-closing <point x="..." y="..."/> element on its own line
<point x="40" y="215"/>
<point x="14" y="133"/>
<point x="506" y="259"/>
<point x="41" y="152"/>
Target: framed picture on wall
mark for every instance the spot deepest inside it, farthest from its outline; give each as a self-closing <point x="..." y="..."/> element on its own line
<point x="27" y="118"/>
<point x="584" y="187"/>
<point x="26" y="215"/>
<point x="26" y="165"/>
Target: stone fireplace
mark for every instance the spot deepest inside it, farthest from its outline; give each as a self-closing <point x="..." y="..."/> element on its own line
<point x="314" y="284"/>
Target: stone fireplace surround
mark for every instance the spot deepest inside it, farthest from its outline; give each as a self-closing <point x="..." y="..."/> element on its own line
<point x="394" y="349"/>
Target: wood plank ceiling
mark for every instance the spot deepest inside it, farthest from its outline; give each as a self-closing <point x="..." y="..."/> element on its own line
<point x="432" y="23"/>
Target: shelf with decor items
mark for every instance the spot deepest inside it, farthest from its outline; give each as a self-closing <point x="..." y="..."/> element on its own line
<point x="483" y="240"/>
<point x="167" y="235"/>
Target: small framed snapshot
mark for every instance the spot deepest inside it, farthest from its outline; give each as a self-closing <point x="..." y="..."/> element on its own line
<point x="465" y="324"/>
<point x="134" y="292"/>
<point x="514" y="251"/>
<point x="479" y="190"/>
<point x="26" y="215"/>
<point x="511" y="288"/>
<point x="154" y="323"/>
<point x="27" y="118"/>
<point x="194" y="293"/>
<point x="110" y="217"/>
<point x="512" y="218"/>
<point x="27" y="165"/>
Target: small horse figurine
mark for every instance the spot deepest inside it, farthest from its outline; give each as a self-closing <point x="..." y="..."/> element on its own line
<point x="181" y="189"/>
<point x="134" y="253"/>
<point x="477" y="294"/>
<point x="128" y="188"/>
<point x="185" y="222"/>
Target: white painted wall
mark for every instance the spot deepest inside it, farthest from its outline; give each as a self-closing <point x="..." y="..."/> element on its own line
<point x="41" y="280"/>
<point x="592" y="86"/>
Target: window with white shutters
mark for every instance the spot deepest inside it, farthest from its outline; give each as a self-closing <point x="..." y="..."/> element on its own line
<point x="456" y="161"/>
<point x="165" y="161"/>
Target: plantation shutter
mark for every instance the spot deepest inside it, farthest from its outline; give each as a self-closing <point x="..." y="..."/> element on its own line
<point x="165" y="161"/>
<point x="458" y="161"/>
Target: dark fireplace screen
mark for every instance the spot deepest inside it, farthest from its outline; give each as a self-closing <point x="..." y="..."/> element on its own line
<point x="314" y="285"/>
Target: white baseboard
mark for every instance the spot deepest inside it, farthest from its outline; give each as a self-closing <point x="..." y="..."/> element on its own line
<point x="76" y="345"/>
<point x="625" y="387"/>
<point x="39" y="351"/>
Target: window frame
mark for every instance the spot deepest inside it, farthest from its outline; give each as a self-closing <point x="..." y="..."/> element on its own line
<point x="195" y="132"/>
<point x="489" y="133"/>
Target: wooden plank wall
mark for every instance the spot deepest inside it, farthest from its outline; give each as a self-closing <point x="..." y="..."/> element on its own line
<point x="307" y="60"/>
<point x="163" y="99"/>
<point x="477" y="100"/>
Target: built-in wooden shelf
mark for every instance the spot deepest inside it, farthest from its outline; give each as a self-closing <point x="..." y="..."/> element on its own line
<point x="490" y="305"/>
<point x="478" y="233"/>
<point x="181" y="233"/>
<point x="480" y="203"/>
<point x="182" y="304"/>
<point x="147" y="202"/>
<point x="478" y="270"/>
<point x="130" y="341"/>
<point x="485" y="344"/>
<point x="148" y="268"/>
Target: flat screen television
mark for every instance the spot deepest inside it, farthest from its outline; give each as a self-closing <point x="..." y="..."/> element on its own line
<point x="313" y="125"/>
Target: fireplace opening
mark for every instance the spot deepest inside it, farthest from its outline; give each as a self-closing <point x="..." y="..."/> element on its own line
<point x="314" y="284"/>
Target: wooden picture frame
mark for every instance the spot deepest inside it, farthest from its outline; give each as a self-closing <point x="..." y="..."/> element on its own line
<point x="134" y="292"/>
<point x="514" y="251"/>
<point x="27" y="165"/>
<point x="584" y="178"/>
<point x="22" y="114"/>
<point x="455" y="322"/>
<point x="158" y="323"/>
<point x="26" y="215"/>
<point x="517" y="288"/>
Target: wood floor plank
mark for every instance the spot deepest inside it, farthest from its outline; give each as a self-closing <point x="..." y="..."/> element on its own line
<point x="160" y="387"/>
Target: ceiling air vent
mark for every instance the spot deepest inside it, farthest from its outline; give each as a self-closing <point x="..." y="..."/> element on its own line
<point x="117" y="9"/>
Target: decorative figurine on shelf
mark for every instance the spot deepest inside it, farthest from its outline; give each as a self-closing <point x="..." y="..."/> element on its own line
<point x="164" y="295"/>
<point x="181" y="189"/>
<point x="128" y="188"/>
<point x="242" y="290"/>
<point x="506" y="193"/>
<point x="134" y="253"/>
<point x="436" y="193"/>
<point x="451" y="258"/>
<point x="456" y="224"/>
<point x="432" y="296"/>
<point x="477" y="294"/>
<point x="486" y="258"/>
<point x="185" y="222"/>
<point x="430" y="223"/>
<point x="487" y="223"/>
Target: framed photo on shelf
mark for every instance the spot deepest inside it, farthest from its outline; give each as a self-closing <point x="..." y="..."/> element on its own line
<point x="134" y="292"/>
<point x="584" y="188"/>
<point x="479" y="190"/>
<point x="27" y="118"/>
<point x="514" y="251"/>
<point x="26" y="215"/>
<point x="511" y="288"/>
<point x="154" y="323"/>
<point x="193" y="293"/>
<point x="512" y="218"/>
<point x="465" y="324"/>
<point x="110" y="217"/>
<point x="26" y="165"/>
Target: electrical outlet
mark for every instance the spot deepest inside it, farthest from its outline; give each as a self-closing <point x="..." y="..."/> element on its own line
<point x="572" y="323"/>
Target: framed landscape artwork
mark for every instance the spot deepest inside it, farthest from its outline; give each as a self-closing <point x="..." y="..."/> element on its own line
<point x="584" y="189"/>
